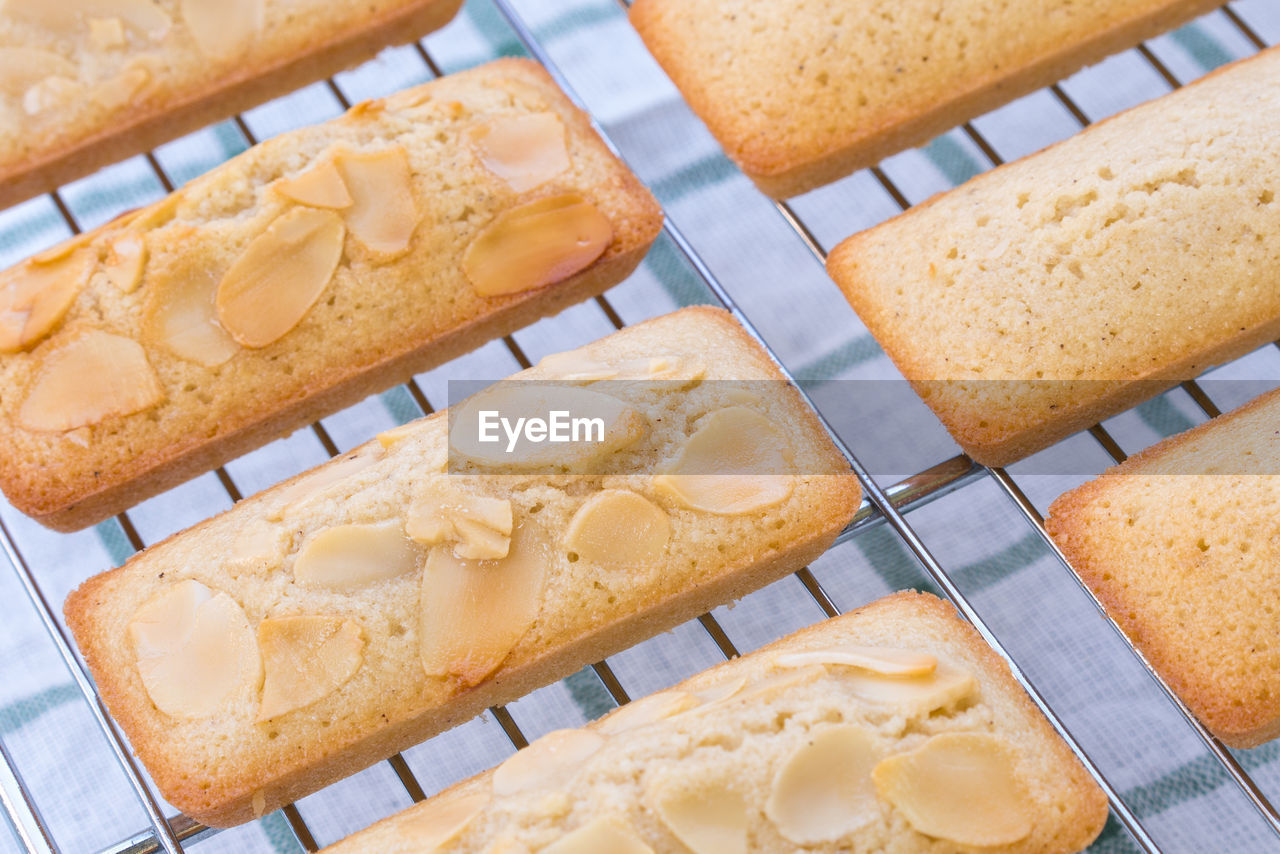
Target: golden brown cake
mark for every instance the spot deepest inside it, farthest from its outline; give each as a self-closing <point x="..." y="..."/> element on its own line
<point x="1051" y="293"/>
<point x="803" y="92"/>
<point x="1181" y="544"/>
<point x="310" y="271"/>
<point x="84" y="83"/>
<point x="404" y="587"/>
<point x="892" y="728"/>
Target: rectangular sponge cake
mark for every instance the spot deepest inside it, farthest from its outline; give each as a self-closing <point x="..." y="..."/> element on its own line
<point x="1181" y="544"/>
<point x="1044" y="296"/>
<point x="891" y="728"/>
<point x="405" y="587"/>
<point x="315" y="269"/>
<point x="803" y="92"/>
<point x="85" y="83"/>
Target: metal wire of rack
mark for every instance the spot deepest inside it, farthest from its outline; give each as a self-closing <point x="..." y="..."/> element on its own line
<point x="1009" y="486"/>
<point x="881" y="506"/>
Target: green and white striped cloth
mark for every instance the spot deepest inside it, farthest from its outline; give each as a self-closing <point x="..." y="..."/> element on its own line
<point x="1079" y="664"/>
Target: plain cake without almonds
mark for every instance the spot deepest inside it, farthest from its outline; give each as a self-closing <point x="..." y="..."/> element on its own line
<point x="891" y="728"/>
<point x="1181" y="543"/>
<point x="803" y="92"/>
<point x="309" y="272"/>
<point x="1051" y="293"/>
<point x="410" y="584"/>
<point x="84" y="83"/>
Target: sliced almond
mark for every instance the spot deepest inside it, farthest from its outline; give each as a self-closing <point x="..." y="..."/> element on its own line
<point x="163" y="623"/>
<point x="223" y="29"/>
<point x="708" y="818"/>
<point x="79" y="436"/>
<point x="574" y="366"/>
<point x="555" y="806"/>
<point x="684" y="368"/>
<point x="91" y="377"/>
<point x="126" y="257"/>
<point x="347" y="557"/>
<point x="477" y="526"/>
<point x="611" y="835"/>
<point x="915" y="683"/>
<point x="648" y="710"/>
<point x="143" y="219"/>
<point x="415" y="96"/>
<point x="122" y="88"/>
<point x="153" y="215"/>
<point x="477" y="540"/>
<point x="720" y="692"/>
<point x="474" y="612"/>
<point x="431" y="825"/>
<point x="180" y="315"/>
<point x="142" y="15"/>
<point x="619" y="529"/>
<point x="194" y="649"/>
<point x="387" y="438"/>
<point x="256" y="543"/>
<point x="885" y="661"/>
<point x="823" y="790"/>
<point x="549" y="761"/>
<point x="61" y="250"/>
<point x="106" y="33"/>
<point x="476" y="434"/>
<point x="23" y="67"/>
<point x="383" y="214"/>
<point x="509" y="845"/>
<point x="52" y="289"/>
<point x="536" y="244"/>
<point x="51" y="93"/>
<point x="320" y="187"/>
<point x="318" y="481"/>
<point x="959" y="786"/>
<point x="370" y="109"/>
<point x="279" y="277"/>
<point x="35" y="297"/>
<point x="763" y="688"/>
<point x="305" y="659"/>
<point x="524" y="151"/>
<point x="736" y="462"/>
<point x="918" y="695"/>
<point x="66" y="17"/>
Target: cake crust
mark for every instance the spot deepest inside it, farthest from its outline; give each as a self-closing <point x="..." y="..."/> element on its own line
<point x="1069" y="808"/>
<point x="380" y="319"/>
<point x="246" y="766"/>
<point x="1048" y="294"/>
<point x="190" y="90"/>
<point x="1179" y="543"/>
<point x="801" y="94"/>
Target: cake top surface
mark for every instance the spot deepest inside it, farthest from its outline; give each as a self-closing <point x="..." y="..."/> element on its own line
<point x="889" y="728"/>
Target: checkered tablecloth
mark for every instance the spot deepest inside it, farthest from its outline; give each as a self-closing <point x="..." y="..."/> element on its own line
<point x="1050" y="627"/>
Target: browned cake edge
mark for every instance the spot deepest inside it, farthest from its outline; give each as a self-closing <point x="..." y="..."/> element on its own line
<point x="1002" y="443"/>
<point x="1068" y="522"/>
<point x="1081" y="824"/>
<point x="780" y="171"/>
<point x="232" y="802"/>
<point x="158" y="472"/>
<point x="144" y="129"/>
<point x="68" y="507"/>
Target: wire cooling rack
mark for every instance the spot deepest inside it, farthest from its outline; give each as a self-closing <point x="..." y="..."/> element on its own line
<point x="1240" y="802"/>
